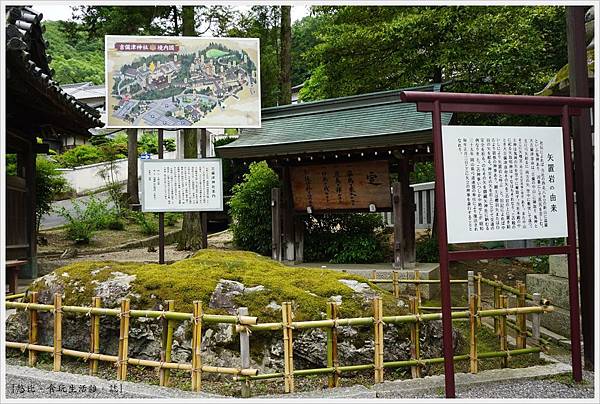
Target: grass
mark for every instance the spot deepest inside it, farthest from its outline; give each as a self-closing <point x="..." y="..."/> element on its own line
<point x="195" y="278"/>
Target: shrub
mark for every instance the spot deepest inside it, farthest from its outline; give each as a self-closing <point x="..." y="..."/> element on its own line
<point x="148" y="143"/>
<point x="172" y="218"/>
<point x="345" y="238"/>
<point x="251" y="209"/>
<point x="49" y="183"/>
<point x="147" y="222"/>
<point x="88" y="217"/>
<point x="79" y="228"/>
<point x="427" y="249"/>
<point x="80" y="155"/>
<point x="98" y="213"/>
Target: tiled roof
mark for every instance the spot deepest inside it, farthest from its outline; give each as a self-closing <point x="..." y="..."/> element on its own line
<point x="26" y="50"/>
<point x="348" y="123"/>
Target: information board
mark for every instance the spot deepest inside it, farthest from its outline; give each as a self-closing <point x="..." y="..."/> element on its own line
<point x="504" y="183"/>
<point x="175" y="82"/>
<point x="182" y="185"/>
<point x="343" y="186"/>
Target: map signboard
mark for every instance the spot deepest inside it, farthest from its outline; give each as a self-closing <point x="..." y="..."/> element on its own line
<point x="176" y="82"/>
<point x="504" y="183"/>
<point x="182" y="185"/>
<point x="342" y="186"/>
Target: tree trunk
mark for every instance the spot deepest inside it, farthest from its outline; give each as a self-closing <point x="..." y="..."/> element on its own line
<point x="285" y="80"/>
<point x="191" y="230"/>
<point x="132" y="168"/>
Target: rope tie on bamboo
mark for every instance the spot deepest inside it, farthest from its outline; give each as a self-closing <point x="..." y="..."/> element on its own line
<point x="27" y="306"/>
<point x="197" y="319"/>
<point x="244" y="328"/>
<point x="163" y="315"/>
<point x="507" y="354"/>
<point x="124" y="314"/>
<point x="378" y="322"/>
<point x="89" y="312"/>
<point x="160" y="365"/>
<point x="24" y="347"/>
<point x="88" y="356"/>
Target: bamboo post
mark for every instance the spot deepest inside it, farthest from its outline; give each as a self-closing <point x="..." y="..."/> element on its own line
<point x="415" y="349"/>
<point x="521" y="318"/>
<point x="473" y="333"/>
<point x="167" y="344"/>
<point x="123" y="340"/>
<point x="395" y="285"/>
<point x="497" y="303"/>
<point x="33" y="329"/>
<point x="288" y="347"/>
<point x="503" y="330"/>
<point x="196" y="345"/>
<point x="245" y="352"/>
<point x="94" y="335"/>
<point x="57" y="331"/>
<point x="378" y="334"/>
<point x="478" y="293"/>
<point x="470" y="286"/>
<point x="332" y="351"/>
<point x="418" y="290"/>
<point x="374" y="274"/>
<point x="535" y="322"/>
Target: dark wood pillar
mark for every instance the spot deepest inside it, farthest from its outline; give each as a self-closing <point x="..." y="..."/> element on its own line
<point x="29" y="159"/>
<point x="287" y="218"/>
<point x="408" y="213"/>
<point x="398" y="221"/>
<point x="584" y="180"/>
<point x="276" y="224"/>
<point x="298" y="240"/>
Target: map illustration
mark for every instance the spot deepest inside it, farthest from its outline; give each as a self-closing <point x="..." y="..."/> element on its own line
<point x="177" y="82"/>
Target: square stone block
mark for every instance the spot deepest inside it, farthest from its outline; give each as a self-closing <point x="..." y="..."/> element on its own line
<point x="559" y="265"/>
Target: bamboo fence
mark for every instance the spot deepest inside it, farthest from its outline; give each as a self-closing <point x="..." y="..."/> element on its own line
<point x="245" y="324"/>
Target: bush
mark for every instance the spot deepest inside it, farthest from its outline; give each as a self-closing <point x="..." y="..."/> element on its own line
<point x="427" y="249"/>
<point x="147" y="222"/>
<point x="49" y="183"/>
<point x="80" y="155"/>
<point x="89" y="217"/>
<point x="172" y="218"/>
<point x="251" y="209"/>
<point x="148" y="143"/>
<point x="345" y="238"/>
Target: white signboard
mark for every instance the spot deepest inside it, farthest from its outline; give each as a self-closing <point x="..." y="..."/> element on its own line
<point x="504" y="183"/>
<point x="182" y="185"/>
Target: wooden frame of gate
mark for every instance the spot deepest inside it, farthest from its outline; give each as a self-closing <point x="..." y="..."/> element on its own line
<point x="565" y="107"/>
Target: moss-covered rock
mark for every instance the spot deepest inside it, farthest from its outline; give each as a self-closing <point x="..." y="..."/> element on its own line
<point x="195" y="278"/>
<point x="223" y="281"/>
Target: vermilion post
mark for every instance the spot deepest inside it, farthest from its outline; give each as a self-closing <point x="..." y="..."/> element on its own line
<point x="572" y="243"/>
<point x="440" y="203"/>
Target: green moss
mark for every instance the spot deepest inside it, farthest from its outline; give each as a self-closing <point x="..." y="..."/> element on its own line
<point x="195" y="278"/>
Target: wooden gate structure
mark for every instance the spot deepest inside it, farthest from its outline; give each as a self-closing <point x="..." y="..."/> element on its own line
<point x="565" y="108"/>
<point x="36" y="107"/>
<point x="349" y="154"/>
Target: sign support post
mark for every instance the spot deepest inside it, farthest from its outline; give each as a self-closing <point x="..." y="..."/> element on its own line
<point x="436" y="103"/>
<point x="161" y="215"/>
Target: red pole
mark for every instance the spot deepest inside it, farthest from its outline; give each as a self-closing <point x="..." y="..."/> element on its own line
<point x="572" y="243"/>
<point x="440" y="204"/>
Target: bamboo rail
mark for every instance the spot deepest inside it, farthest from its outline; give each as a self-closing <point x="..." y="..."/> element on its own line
<point x="245" y="323"/>
<point x="15" y="296"/>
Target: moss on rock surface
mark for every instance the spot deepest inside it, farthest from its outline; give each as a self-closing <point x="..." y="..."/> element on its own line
<point x="195" y="278"/>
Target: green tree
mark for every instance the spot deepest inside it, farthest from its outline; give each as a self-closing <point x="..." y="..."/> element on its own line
<point x="511" y="50"/>
<point x="49" y="183"/>
<point x="250" y="209"/>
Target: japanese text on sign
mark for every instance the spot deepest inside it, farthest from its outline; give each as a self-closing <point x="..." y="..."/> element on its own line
<point x="345" y="186"/>
<point x="182" y="185"/>
<point x="504" y="183"/>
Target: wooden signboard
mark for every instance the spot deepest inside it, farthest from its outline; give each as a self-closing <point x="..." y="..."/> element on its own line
<point x="343" y="186"/>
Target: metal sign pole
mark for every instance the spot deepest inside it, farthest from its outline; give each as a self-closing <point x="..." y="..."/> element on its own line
<point x="161" y="215"/>
<point x="572" y="255"/>
<point x="440" y="204"/>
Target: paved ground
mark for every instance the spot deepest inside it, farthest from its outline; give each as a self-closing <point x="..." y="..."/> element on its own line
<point x="53" y="219"/>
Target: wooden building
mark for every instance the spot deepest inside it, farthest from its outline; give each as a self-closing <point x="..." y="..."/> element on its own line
<point x="341" y="155"/>
<point x="36" y="109"/>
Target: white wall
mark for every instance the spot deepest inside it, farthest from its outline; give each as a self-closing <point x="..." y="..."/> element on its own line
<point x="87" y="178"/>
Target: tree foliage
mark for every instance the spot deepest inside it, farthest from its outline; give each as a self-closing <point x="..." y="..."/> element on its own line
<point x="512" y="50"/>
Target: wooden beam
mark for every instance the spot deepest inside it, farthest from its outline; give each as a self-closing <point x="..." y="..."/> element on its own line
<point x="398" y="220"/>
<point x="408" y="214"/>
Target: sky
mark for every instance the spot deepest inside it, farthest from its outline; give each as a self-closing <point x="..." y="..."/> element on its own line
<point x="63" y="12"/>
